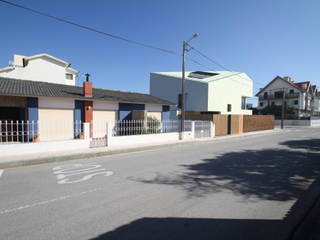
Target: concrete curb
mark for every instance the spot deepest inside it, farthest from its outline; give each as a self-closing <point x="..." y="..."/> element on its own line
<point x="60" y="158"/>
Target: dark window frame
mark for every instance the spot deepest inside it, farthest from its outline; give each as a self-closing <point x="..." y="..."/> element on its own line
<point x="229" y="107"/>
<point x="69" y="76"/>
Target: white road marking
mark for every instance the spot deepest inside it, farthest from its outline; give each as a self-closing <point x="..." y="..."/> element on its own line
<point x="1" y="172"/>
<point x="69" y="173"/>
<point x="47" y="201"/>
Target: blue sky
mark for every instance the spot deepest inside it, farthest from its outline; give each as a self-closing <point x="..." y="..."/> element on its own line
<point x="260" y="38"/>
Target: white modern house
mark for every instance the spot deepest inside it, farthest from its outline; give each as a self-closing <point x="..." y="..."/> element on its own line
<point x="301" y="96"/>
<point x="221" y="92"/>
<point x="40" y="67"/>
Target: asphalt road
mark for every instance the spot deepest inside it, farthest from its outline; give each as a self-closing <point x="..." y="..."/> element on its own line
<point x="238" y="188"/>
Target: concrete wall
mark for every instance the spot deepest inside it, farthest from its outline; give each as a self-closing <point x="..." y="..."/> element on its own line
<point x="229" y="90"/>
<point x="41" y="147"/>
<point x="146" y="138"/>
<point x="298" y="122"/>
<point x="41" y="69"/>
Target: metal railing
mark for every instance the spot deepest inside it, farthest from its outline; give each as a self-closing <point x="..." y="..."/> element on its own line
<point x="138" y="127"/>
<point x="279" y="96"/>
<point x="34" y="131"/>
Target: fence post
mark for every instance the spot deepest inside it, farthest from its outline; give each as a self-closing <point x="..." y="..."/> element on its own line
<point x="212" y="129"/>
<point x="109" y="133"/>
<point x="193" y="129"/>
<point x="86" y="130"/>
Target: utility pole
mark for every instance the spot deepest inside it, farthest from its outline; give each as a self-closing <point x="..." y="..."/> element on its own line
<point x="283" y="109"/>
<point x="182" y="114"/>
<point x="182" y="88"/>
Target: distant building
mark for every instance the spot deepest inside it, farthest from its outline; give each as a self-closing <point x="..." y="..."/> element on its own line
<point x="221" y="92"/>
<point x="301" y="96"/>
<point x="41" y="67"/>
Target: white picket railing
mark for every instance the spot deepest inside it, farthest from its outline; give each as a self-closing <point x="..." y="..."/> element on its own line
<point x="138" y="127"/>
<point x="32" y="131"/>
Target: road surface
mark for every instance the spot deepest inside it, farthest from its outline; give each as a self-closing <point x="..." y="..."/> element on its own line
<point x="237" y="188"/>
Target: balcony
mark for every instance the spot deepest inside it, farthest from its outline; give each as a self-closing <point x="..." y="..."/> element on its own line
<point x="278" y="96"/>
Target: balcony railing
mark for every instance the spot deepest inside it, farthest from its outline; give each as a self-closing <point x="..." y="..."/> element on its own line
<point x="279" y="96"/>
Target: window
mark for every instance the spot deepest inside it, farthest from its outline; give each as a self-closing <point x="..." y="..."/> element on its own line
<point x="295" y="102"/>
<point x="278" y="94"/>
<point x="291" y="91"/>
<point x="272" y="103"/>
<point x="69" y="76"/>
<point x="243" y="103"/>
<point x="265" y="95"/>
<point x="229" y="107"/>
<point x="261" y="104"/>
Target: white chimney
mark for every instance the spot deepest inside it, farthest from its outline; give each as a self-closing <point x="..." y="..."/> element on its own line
<point x="18" y="60"/>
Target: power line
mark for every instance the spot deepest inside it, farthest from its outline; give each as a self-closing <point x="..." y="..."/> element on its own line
<point x="216" y="63"/>
<point x="89" y="28"/>
<point x="99" y="32"/>
<point x="118" y="37"/>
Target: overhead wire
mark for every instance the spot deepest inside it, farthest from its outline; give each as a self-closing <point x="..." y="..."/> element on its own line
<point x="218" y="64"/>
<point x="88" y="28"/>
<point x="122" y="38"/>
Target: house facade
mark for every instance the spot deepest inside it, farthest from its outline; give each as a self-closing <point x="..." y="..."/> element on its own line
<point x="42" y="68"/>
<point x="55" y="103"/>
<point x="220" y="92"/>
<point x="301" y="96"/>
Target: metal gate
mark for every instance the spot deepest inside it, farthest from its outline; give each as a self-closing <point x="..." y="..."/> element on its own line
<point x="99" y="134"/>
<point x="202" y="129"/>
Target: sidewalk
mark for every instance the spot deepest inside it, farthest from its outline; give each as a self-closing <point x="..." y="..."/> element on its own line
<point x="32" y="159"/>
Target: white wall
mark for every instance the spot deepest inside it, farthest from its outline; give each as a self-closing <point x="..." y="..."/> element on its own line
<point x="105" y="105"/>
<point x="146" y="139"/>
<point x="53" y="102"/>
<point x="41" y="69"/>
<point x="42" y="147"/>
<point x="229" y="90"/>
<point x="168" y="88"/>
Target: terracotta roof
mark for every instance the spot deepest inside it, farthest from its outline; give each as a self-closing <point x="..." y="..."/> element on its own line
<point x="278" y="77"/>
<point x="16" y="87"/>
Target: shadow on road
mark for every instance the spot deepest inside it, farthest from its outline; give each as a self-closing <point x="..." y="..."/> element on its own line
<point x="271" y="174"/>
<point x="193" y="229"/>
<point x="309" y="144"/>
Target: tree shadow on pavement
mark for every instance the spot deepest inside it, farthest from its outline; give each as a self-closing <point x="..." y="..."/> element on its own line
<point x="309" y="144"/>
<point x="193" y="229"/>
<point x="218" y="228"/>
<point x="270" y="174"/>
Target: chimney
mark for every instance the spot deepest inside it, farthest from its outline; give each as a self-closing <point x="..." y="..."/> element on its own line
<point x="87" y="87"/>
<point x="287" y="78"/>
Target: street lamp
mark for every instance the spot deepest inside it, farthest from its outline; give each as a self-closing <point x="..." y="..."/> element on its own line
<point x="182" y="85"/>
